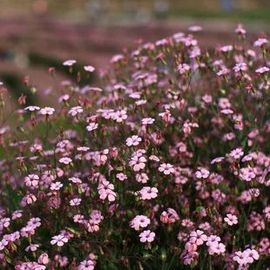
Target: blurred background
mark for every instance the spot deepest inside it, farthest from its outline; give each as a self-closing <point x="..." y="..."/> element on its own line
<point x="38" y="34"/>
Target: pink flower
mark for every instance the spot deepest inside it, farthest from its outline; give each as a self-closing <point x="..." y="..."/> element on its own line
<point x="137" y="163"/>
<point x="266" y="212"/>
<point x="61" y="260"/>
<point x="75" y="110"/>
<point x="212" y="239"/>
<point x="3" y="244"/>
<point x="140" y="221"/>
<point x="140" y="102"/>
<point x="59" y="240"/>
<point x="47" y="111"/>
<point x="251" y="255"/>
<point x="56" y="186"/>
<point x="12" y="237"/>
<point x="240" y="67"/>
<point x="92" y="126"/>
<point x="240" y="30"/>
<point x="43" y="259"/>
<point x="116" y="58"/>
<point x="133" y="140"/>
<point x="142" y="178"/>
<point x="217" y="160"/>
<point x="32" y="180"/>
<point x="32" y="108"/>
<point x="89" y="68"/>
<point x="32" y="247"/>
<point x="246" y="257"/>
<point x="207" y="99"/>
<point x="191" y="247"/>
<point x="30" y="266"/>
<point x="120" y="116"/>
<point x="65" y="160"/>
<point x="154" y="158"/>
<point x="169" y="216"/>
<point x="63" y="98"/>
<point x="105" y="190"/>
<point x="223" y="71"/>
<point x="75" y="180"/>
<point x="121" y="176"/>
<point x="197" y="237"/>
<point x="147" y="236"/>
<point x="183" y="68"/>
<point x="202" y="173"/>
<point x="190" y="258"/>
<point x="236" y="153"/>
<point x="78" y="218"/>
<point x="247" y="174"/>
<point x="96" y="216"/>
<point x="216" y="248"/>
<point x="75" y="201"/>
<point x="69" y="62"/>
<point x="16" y="214"/>
<point x="148" y="121"/>
<point x="28" y="199"/>
<point x="166" y="168"/>
<point x="231" y="219"/>
<point x="227" y="48"/>
<point x="195" y="28"/>
<point x="260" y="42"/>
<point x="148" y="193"/>
<point x="87" y="265"/>
<point x="262" y="70"/>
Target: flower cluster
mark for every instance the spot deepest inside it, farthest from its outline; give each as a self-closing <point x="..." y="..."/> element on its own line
<point x="164" y="164"/>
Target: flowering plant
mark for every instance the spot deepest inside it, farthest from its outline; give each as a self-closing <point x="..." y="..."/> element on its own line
<point x="164" y="165"/>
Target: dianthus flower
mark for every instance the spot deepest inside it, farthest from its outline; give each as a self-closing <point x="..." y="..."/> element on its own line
<point x="246" y="257"/>
<point x="239" y="67"/>
<point x="56" y="185"/>
<point x="59" y="240"/>
<point x="197" y="237"/>
<point x="231" y="219"/>
<point x="140" y="221"/>
<point x="65" y="160"/>
<point x="105" y="190"/>
<point x="166" y="168"/>
<point x="47" y="111"/>
<point x="202" y="173"/>
<point x="137" y="163"/>
<point x="69" y="62"/>
<point x="31" y="180"/>
<point x="89" y="68"/>
<point x="32" y="108"/>
<point x="147" y="236"/>
<point x="142" y="177"/>
<point x="92" y="126"/>
<point x="75" y="201"/>
<point x="262" y="70"/>
<point x="148" y="193"/>
<point x="260" y="42"/>
<point x="183" y="68"/>
<point x="169" y="216"/>
<point x="148" y="121"/>
<point x="133" y="140"/>
<point x="75" y="111"/>
<point x="30" y="266"/>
